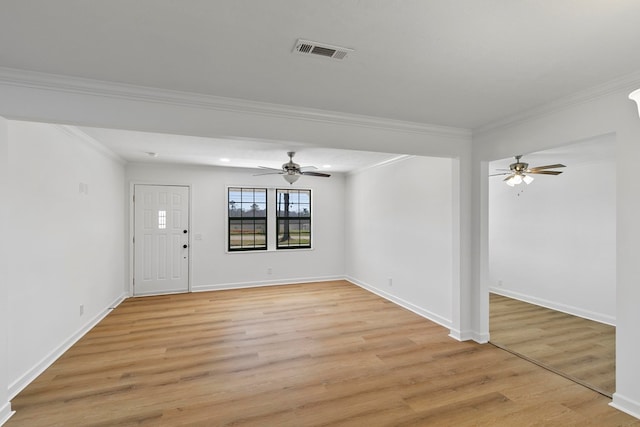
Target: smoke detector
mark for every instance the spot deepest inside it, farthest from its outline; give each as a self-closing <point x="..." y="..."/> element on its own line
<point x="306" y="47"/>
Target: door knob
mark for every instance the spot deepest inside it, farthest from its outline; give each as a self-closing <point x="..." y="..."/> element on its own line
<point x="184" y="246"/>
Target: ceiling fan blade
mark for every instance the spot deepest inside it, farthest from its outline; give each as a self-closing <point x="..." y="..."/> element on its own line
<point x="271" y="169"/>
<point x="325" y="175"/>
<point x="509" y="177"/>
<point x="275" y="172"/>
<point x="545" y="172"/>
<point x="537" y="168"/>
<point x="499" y="174"/>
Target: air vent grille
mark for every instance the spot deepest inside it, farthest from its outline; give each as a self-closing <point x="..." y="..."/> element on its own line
<point x="306" y="47"/>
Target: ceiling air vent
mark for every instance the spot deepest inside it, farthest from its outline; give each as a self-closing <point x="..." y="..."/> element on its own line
<point x="306" y="47"/>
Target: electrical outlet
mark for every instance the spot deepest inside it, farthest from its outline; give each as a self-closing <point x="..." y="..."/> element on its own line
<point x="390" y="282"/>
<point x="269" y="270"/>
<point x="81" y="309"/>
<point x="499" y="282"/>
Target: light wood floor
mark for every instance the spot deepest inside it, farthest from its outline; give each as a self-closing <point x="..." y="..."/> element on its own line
<point x="315" y="354"/>
<point x="579" y="348"/>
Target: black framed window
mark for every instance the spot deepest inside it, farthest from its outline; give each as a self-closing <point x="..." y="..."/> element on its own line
<point x="247" y="213"/>
<point x="293" y="219"/>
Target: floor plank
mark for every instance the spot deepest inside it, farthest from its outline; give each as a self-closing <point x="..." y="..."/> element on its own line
<point x="317" y="354"/>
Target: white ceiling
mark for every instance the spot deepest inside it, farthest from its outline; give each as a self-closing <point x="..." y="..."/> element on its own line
<point x="134" y="147"/>
<point x="457" y="63"/>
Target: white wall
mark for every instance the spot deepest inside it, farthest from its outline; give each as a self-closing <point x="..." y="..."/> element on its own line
<point x="66" y="244"/>
<point x="399" y="226"/>
<point x="212" y="267"/>
<point x="553" y="242"/>
<point x="5" y="405"/>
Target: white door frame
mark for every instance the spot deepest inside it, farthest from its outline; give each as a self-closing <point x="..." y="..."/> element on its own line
<point x="131" y="247"/>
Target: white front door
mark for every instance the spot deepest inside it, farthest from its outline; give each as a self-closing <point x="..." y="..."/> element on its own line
<point x="161" y="239"/>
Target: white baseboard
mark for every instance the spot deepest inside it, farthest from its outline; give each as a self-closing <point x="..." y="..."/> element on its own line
<point x="458" y="335"/>
<point x="403" y="303"/>
<point x="18" y="385"/>
<point x="575" y="311"/>
<point x="5" y="413"/>
<point x="257" y="284"/>
<point x="480" y="338"/>
<point x="469" y="336"/>
<point x="626" y="405"/>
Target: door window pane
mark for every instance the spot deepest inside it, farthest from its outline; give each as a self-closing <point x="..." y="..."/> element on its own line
<point x="162" y="220"/>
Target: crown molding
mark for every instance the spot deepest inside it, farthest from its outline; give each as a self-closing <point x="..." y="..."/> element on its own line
<point x="387" y="162"/>
<point x="628" y="82"/>
<point x="74" y="132"/>
<point x="77" y="85"/>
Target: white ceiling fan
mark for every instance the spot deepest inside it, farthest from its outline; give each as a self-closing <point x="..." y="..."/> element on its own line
<point x="520" y="172"/>
<point x="292" y="171"/>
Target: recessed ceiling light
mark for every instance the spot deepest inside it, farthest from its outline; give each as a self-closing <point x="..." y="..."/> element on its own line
<point x="224" y="159"/>
<point x="152" y="154"/>
<point x="326" y="166"/>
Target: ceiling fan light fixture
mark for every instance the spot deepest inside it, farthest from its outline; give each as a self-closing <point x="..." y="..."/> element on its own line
<point x="517" y="179"/>
<point x="290" y="177"/>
